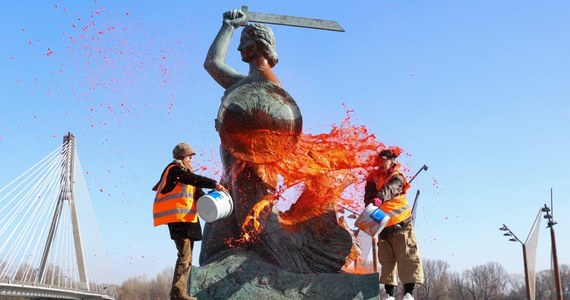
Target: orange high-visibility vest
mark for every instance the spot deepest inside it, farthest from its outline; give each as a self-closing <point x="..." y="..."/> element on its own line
<point x="177" y="205"/>
<point x="396" y="208"/>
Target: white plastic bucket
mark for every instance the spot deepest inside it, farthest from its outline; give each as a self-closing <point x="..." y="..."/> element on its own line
<point x="215" y="205"/>
<point x="372" y="220"/>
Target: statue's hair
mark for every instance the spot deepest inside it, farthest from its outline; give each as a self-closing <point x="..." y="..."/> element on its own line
<point x="263" y="36"/>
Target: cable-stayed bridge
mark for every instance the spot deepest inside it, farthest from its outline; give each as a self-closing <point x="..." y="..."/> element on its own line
<point x="50" y="244"/>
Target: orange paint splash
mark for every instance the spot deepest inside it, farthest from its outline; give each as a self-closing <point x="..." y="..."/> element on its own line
<point x="327" y="167"/>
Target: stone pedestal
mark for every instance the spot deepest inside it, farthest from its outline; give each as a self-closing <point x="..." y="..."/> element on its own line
<point x="238" y="274"/>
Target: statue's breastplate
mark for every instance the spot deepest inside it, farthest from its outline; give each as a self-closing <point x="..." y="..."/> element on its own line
<point x="259" y="122"/>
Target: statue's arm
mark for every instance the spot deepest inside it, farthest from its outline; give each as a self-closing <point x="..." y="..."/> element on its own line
<point x="215" y="62"/>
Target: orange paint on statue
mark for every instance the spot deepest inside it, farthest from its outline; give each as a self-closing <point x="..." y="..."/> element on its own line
<point x="325" y="165"/>
<point x="260" y="145"/>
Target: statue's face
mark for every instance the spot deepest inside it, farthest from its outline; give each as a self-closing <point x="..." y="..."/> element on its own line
<point x="247" y="48"/>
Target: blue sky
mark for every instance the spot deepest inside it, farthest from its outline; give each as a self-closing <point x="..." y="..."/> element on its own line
<point x="478" y="91"/>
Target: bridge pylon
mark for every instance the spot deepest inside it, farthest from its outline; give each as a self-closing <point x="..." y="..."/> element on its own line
<point x="66" y="194"/>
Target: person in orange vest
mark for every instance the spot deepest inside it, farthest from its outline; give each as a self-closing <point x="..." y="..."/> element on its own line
<point x="398" y="251"/>
<point x="175" y="205"/>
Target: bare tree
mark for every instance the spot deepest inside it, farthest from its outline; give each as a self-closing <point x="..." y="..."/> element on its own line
<point x="4" y="274"/>
<point x="25" y="272"/>
<point x="160" y="286"/>
<point x="436" y="280"/>
<point x="457" y="286"/>
<point x="53" y="276"/>
<point x="515" y="288"/>
<point x="498" y="280"/>
<point x="544" y="285"/>
<point x="545" y="289"/>
<point x="139" y="288"/>
<point x="134" y="289"/>
<point x="565" y="281"/>
<point x="486" y="282"/>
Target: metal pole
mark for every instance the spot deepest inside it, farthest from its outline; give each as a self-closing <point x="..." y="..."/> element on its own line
<point x="526" y="274"/>
<point x="516" y="239"/>
<point x="555" y="263"/>
<point x="550" y="216"/>
<point x="414" y="207"/>
<point x="423" y="168"/>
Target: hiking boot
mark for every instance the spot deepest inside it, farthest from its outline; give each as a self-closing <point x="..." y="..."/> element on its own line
<point x="182" y="297"/>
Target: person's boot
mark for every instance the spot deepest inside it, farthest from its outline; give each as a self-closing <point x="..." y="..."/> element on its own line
<point x="178" y="293"/>
<point x="389" y="291"/>
<point x="179" y="284"/>
<point x="409" y="290"/>
<point x="182" y="297"/>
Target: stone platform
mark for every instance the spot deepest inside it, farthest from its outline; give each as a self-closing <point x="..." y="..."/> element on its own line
<point x="237" y="274"/>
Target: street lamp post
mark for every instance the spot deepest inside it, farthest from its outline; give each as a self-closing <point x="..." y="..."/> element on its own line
<point x="549" y="216"/>
<point x="514" y="238"/>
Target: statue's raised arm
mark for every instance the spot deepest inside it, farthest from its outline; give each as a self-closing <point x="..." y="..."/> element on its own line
<point x="215" y="62"/>
<point x="257" y="48"/>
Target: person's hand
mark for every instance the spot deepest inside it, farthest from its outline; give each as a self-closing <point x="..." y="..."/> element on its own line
<point x="235" y="18"/>
<point x="377" y="202"/>
<point x="220" y="187"/>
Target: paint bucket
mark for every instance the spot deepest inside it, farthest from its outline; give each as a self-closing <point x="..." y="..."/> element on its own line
<point x="214" y="206"/>
<point x="372" y="220"/>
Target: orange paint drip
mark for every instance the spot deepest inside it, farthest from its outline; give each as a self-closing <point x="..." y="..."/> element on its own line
<point x="253" y="219"/>
<point x="252" y="224"/>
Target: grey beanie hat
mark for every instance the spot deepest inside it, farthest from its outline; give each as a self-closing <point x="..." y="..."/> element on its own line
<point x="181" y="150"/>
